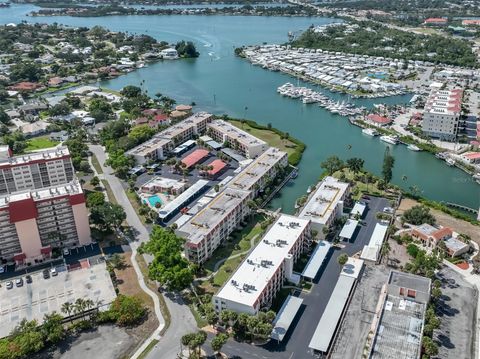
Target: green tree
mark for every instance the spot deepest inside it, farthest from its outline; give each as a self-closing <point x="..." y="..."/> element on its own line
<point x="4" y="118"/>
<point x="131" y="91"/>
<point x="355" y="164"/>
<point x="26" y="71"/>
<point x="342" y="259"/>
<point x="116" y="261"/>
<point x="388" y="164"/>
<point x="95" y="181"/>
<point x="417" y="215"/>
<point x="168" y="267"/>
<point x="430" y="347"/>
<point x="332" y="164"/>
<point x="100" y="109"/>
<point x="52" y="327"/>
<point x="218" y="342"/>
<point x="186" y="49"/>
<point x="107" y="216"/>
<point x="95" y="199"/>
<point x="127" y="310"/>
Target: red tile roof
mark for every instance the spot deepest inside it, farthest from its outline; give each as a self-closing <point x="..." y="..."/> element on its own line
<point x="193" y="158"/>
<point x="379" y="119"/>
<point x="442" y="233"/>
<point x="432" y="20"/>
<point x="217" y="165"/>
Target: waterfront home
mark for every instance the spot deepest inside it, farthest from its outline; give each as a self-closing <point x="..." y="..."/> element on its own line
<point x="169" y="54"/>
<point x="430" y="235"/>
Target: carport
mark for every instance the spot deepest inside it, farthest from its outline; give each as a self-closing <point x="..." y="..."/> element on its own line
<point x="285" y="317"/>
<point x="316" y="260"/>
<point x="348" y="229"/>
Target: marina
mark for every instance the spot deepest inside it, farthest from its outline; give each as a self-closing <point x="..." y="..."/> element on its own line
<point x="309" y="96"/>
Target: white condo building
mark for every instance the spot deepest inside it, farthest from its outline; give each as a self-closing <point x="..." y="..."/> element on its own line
<point x="158" y="147"/>
<point x="205" y="231"/>
<point x="263" y="273"/>
<point x="224" y="132"/>
<point x="325" y="203"/>
<point x="442" y="114"/>
<point x="256" y="174"/>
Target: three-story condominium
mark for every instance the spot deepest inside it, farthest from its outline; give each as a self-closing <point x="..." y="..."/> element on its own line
<point x="159" y="146"/>
<point x="263" y="273"/>
<point x="325" y="203"/>
<point x="247" y="144"/>
<point x="442" y="114"/>
<point x="205" y="231"/>
<point x="265" y="167"/>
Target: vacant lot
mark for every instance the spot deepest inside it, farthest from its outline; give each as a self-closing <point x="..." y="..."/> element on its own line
<point x="39" y="143"/>
<point x="354" y="330"/>
<point x="457" y="313"/>
<point x="445" y="220"/>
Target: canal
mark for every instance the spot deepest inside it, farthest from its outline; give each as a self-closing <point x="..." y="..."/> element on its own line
<point x="221" y="83"/>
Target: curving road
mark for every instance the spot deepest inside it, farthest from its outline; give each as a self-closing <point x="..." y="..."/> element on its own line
<point x="182" y="320"/>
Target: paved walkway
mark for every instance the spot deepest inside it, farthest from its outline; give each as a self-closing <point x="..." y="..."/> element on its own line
<point x="182" y="321"/>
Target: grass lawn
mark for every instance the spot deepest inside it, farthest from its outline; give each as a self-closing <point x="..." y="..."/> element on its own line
<point x="110" y="195"/>
<point x="148" y="349"/>
<point x="268" y="136"/>
<point x="96" y="164"/>
<point x="239" y="243"/>
<point x="39" y="143"/>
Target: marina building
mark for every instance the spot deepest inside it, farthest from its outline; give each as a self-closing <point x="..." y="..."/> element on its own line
<point x="399" y="324"/>
<point x="160" y="145"/>
<point x="206" y="230"/>
<point x="442" y="114"/>
<point x="263" y="168"/>
<point x="50" y="167"/>
<point x="33" y="222"/>
<point x="263" y="273"/>
<point x="325" y="203"/>
<point x="245" y="143"/>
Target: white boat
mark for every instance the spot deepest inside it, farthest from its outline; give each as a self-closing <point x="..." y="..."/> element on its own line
<point x="450" y="161"/>
<point x="412" y="147"/>
<point x="389" y="139"/>
<point x="309" y="189"/>
<point x="370" y="131"/>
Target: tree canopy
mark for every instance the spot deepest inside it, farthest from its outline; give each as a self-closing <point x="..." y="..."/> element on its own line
<point x="417" y="215"/>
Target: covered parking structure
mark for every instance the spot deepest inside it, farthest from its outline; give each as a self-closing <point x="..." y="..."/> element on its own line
<point x="316" y="260"/>
<point x="331" y="319"/>
<point x="285" y="317"/>
<point x="348" y="229"/>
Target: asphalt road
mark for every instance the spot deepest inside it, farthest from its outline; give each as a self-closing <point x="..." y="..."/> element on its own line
<point x="182" y="321"/>
<point x="295" y="344"/>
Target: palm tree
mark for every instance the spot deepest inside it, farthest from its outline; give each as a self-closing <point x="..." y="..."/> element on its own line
<point x="385" y="251"/>
<point x="67" y="308"/>
<point x="79" y="306"/>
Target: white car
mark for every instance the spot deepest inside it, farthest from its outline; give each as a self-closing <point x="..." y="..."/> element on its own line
<point x="9" y="284"/>
<point x="2" y="269"/>
<point x="66" y="251"/>
<point x="53" y="272"/>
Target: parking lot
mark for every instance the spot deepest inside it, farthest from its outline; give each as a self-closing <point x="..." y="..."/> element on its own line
<point x="193" y="175"/>
<point x="43" y="296"/>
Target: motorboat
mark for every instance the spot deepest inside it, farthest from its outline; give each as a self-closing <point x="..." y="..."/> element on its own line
<point x="450" y="161"/>
<point x="389" y="139"/>
<point x="412" y="147"/>
<point x="370" y="131"/>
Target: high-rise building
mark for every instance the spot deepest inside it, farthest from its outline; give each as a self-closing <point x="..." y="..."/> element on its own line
<point x="442" y="114"/>
<point x="42" y="205"/>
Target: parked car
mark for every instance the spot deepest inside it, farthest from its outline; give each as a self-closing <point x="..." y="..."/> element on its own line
<point x="2" y="269"/>
<point x="388" y="210"/>
<point x="66" y="251"/>
<point x="9" y="284"/>
<point x="19" y="282"/>
<point x="28" y="278"/>
<point x="46" y="274"/>
<point x="53" y="272"/>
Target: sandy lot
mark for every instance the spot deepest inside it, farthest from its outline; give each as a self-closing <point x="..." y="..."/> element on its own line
<point x="445" y="220"/>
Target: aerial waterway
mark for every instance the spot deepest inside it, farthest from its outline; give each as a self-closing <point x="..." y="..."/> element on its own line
<point x="221" y="83"/>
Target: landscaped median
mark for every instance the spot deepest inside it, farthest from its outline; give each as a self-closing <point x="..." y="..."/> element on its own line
<point x="274" y="137"/>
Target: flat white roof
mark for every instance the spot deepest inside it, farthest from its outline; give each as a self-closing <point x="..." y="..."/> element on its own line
<point x="348" y="229"/>
<point x="182" y="198"/>
<point x="52" y="153"/>
<point x="206" y="221"/>
<point x="285" y="317"/>
<point x="358" y="208"/>
<point x="328" y="322"/>
<point x="235" y="133"/>
<point x="262" y="263"/>
<point x="257" y="169"/>
<point x="324" y="200"/>
<point x="164" y="182"/>
<point x="316" y="259"/>
<point x="372" y="249"/>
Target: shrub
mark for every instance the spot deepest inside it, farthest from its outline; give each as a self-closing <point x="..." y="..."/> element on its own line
<point x="127" y="310"/>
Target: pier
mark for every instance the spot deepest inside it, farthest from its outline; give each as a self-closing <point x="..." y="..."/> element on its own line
<point x="463" y="208"/>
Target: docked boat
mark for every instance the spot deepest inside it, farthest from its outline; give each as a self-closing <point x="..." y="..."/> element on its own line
<point x="412" y="147"/>
<point x="294" y="174"/>
<point x="389" y="139"/>
<point x="450" y="161"/>
<point x="370" y="131"/>
<point x="309" y="189"/>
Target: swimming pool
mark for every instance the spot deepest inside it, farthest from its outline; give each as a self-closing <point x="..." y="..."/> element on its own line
<point x="153" y="200"/>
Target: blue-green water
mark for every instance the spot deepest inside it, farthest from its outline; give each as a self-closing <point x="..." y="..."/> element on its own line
<point x="221" y="83"/>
